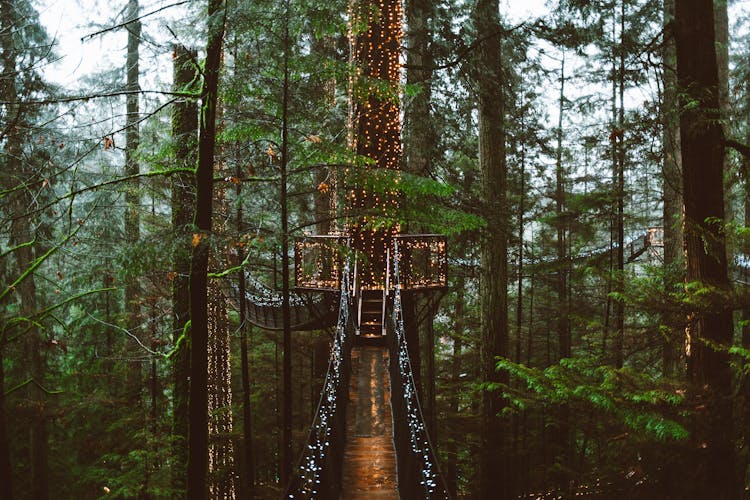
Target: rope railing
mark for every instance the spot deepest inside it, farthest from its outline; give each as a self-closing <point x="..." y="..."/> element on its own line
<point x="418" y="470"/>
<point x="308" y="309"/>
<point x="318" y="474"/>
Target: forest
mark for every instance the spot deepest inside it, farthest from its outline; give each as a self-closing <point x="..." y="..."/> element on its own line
<point x="575" y="173"/>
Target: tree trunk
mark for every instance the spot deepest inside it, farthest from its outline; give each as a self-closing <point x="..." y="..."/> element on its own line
<point x="419" y="130"/>
<point x="247" y="473"/>
<point x="220" y="424"/>
<point x="8" y="86"/>
<point x="619" y="179"/>
<point x="184" y="135"/>
<point x="429" y="400"/>
<point x="495" y="479"/>
<point x="744" y="390"/>
<point x="709" y="329"/>
<point x="221" y="447"/>
<point x="521" y="210"/>
<point x="561" y="440"/>
<point x="455" y="432"/>
<point x="287" y="459"/>
<point x="22" y="236"/>
<point x="6" y="468"/>
<point x="419" y="140"/>
<point x="721" y="32"/>
<point x="132" y="199"/>
<point x="563" y="321"/>
<point x="198" y="407"/>
<point x="672" y="175"/>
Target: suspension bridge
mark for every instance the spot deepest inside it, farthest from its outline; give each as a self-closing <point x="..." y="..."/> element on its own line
<point x="368" y="438"/>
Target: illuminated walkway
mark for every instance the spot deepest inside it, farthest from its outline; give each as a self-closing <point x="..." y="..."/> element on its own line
<point x="369" y="469"/>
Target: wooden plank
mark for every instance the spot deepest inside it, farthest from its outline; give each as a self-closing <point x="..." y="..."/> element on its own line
<point x="369" y="457"/>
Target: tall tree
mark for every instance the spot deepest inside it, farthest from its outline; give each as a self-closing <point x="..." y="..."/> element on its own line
<point x="198" y="405"/>
<point x="672" y="182"/>
<point x="220" y="424"/>
<point x="561" y="438"/>
<point x="10" y="162"/>
<point x="618" y="173"/>
<point x="185" y="135"/>
<point x="18" y="80"/>
<point x="709" y="328"/>
<point x="419" y="130"/>
<point x="495" y="480"/>
<point x="133" y="293"/>
<point x="419" y="151"/>
<point x="286" y="452"/>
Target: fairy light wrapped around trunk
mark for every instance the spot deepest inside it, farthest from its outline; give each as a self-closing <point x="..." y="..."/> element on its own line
<point x="221" y="467"/>
<point x="375" y="32"/>
<point x="221" y="448"/>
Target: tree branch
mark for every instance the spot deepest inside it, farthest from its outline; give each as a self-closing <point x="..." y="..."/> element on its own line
<point x="123" y="24"/>
<point x="742" y="149"/>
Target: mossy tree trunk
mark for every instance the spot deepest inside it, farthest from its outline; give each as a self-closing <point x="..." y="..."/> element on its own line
<point x="709" y="328"/>
<point x="495" y="478"/>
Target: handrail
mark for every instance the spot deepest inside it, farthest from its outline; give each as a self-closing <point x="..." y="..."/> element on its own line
<point x="418" y="469"/>
<point x="319" y="469"/>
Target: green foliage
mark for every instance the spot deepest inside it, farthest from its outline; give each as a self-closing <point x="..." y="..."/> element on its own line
<point x="423" y="201"/>
<point x="632" y="399"/>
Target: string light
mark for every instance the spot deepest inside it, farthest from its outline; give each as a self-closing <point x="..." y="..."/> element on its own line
<point x="422" y="453"/>
<point x="375" y="34"/>
<point x="319" y="441"/>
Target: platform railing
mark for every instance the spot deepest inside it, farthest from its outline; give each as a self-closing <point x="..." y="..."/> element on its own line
<point x="319" y="261"/>
<point x="423" y="263"/>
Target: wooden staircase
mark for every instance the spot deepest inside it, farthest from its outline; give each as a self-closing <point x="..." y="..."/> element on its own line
<point x="370" y="314"/>
<point x="369" y="469"/>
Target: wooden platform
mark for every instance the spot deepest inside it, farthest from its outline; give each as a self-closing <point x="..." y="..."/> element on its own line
<point x="369" y="469"/>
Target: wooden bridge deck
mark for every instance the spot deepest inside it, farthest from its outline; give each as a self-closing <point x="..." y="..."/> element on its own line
<point x="369" y="469"/>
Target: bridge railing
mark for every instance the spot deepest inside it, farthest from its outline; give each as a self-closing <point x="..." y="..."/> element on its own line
<point x="318" y="474"/>
<point x="418" y="470"/>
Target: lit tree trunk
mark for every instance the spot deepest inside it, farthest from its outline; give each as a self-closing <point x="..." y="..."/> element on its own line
<point x="495" y="479"/>
<point x="709" y="329"/>
<point x="132" y="195"/>
<point x="221" y="447"/>
<point x="672" y="175"/>
<point x="184" y="135"/>
<point x="198" y="407"/>
<point x="375" y="128"/>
